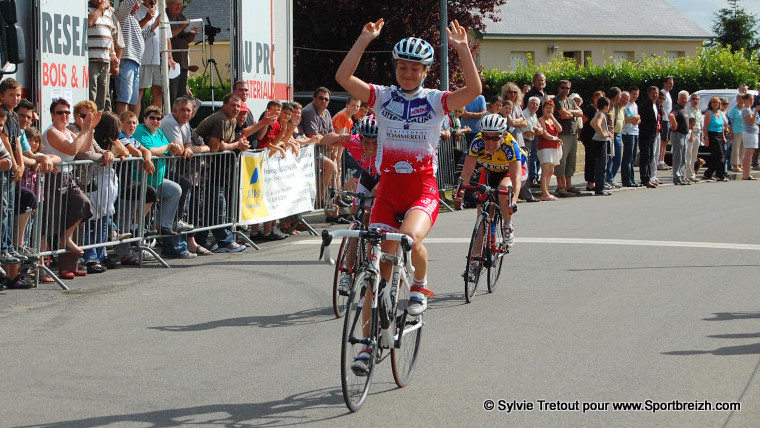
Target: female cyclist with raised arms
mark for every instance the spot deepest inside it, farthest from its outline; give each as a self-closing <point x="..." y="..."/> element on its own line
<point x="502" y="158"/>
<point x="409" y="121"/>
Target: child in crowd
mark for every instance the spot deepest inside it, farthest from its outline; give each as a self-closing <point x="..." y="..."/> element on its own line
<point x="103" y="192"/>
<point x="495" y="103"/>
<point x="131" y="190"/>
<point x="270" y="138"/>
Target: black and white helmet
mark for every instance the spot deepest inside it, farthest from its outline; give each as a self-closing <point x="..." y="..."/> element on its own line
<point x="368" y="127"/>
<point x="493" y="123"/>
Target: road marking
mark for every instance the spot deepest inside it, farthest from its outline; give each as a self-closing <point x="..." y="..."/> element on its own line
<point x="584" y="241"/>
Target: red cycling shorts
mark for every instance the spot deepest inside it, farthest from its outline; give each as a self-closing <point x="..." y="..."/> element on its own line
<point x="397" y="194"/>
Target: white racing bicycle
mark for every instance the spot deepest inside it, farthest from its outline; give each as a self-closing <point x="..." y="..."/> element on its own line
<point x="385" y="326"/>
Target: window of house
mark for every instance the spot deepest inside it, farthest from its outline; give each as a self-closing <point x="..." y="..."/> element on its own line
<point x="618" y="56"/>
<point x="672" y="55"/>
<point x="575" y="55"/>
<point x="517" y="59"/>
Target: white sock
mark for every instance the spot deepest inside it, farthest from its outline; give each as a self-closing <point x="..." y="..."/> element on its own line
<point x="421" y="282"/>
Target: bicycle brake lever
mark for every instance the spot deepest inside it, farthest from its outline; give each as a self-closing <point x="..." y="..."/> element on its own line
<point x="327" y="257"/>
<point x="324" y="249"/>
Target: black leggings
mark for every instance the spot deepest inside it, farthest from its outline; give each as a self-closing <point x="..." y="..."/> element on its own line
<point x="717" y="161"/>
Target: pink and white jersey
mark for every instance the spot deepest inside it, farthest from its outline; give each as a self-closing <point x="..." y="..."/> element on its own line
<point x="409" y="129"/>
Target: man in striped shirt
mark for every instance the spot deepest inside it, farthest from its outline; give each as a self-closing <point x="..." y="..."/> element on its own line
<point x="128" y="80"/>
<point x="100" y="48"/>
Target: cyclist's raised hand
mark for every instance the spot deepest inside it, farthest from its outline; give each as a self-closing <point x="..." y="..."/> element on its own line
<point x="372" y="29"/>
<point x="457" y="35"/>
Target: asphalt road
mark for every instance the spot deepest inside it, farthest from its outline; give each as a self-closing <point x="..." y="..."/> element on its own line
<point x="644" y="295"/>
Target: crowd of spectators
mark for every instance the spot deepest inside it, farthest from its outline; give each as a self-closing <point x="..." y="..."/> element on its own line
<point x="177" y="191"/>
<point x="615" y="127"/>
<point x="618" y="126"/>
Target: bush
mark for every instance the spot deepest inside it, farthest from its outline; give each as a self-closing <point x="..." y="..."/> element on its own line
<point x="201" y="87"/>
<point x="712" y="68"/>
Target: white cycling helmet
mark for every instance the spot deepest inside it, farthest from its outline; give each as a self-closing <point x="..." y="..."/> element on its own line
<point x="368" y="127"/>
<point x="415" y="50"/>
<point x="493" y="123"/>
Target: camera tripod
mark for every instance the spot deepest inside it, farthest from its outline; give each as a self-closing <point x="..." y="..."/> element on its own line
<point x="210" y="68"/>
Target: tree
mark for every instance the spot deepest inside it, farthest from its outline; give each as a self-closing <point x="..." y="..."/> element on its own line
<point x="735" y="27"/>
<point x="322" y="35"/>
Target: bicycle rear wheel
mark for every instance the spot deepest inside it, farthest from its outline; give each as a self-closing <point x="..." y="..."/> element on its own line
<point x="498" y="250"/>
<point x="404" y="351"/>
<point x="342" y="270"/>
<point x="356" y="386"/>
<point x="474" y="259"/>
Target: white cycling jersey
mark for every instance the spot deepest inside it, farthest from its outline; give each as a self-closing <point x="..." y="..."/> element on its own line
<point x="409" y="128"/>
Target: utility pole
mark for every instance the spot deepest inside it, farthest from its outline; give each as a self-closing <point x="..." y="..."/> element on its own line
<point x="444" y="47"/>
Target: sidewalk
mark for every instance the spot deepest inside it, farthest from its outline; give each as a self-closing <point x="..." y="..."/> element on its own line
<point x="666" y="177"/>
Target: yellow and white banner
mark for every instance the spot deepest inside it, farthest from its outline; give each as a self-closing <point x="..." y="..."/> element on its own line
<point x="276" y="187"/>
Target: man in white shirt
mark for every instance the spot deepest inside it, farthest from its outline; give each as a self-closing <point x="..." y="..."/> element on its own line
<point x="667" y="106"/>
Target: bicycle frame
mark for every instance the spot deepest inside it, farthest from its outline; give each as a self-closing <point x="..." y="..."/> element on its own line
<point x="489" y="207"/>
<point x="351" y="252"/>
<point x="402" y="267"/>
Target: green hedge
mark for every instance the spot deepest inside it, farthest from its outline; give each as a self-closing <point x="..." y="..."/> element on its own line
<point x="201" y="87"/>
<point x="712" y="68"/>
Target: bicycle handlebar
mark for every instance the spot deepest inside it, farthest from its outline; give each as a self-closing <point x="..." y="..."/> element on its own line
<point x="482" y="188"/>
<point x="361" y="196"/>
<point x="406" y="242"/>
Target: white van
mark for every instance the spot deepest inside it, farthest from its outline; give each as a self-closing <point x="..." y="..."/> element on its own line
<point x="730" y="94"/>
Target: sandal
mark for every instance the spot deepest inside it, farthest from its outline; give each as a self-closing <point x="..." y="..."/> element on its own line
<point x="549" y="198"/>
<point x="202" y="251"/>
<point x="46" y="279"/>
<point x="95" y="267"/>
<point x="573" y="189"/>
<point x="749" y="178"/>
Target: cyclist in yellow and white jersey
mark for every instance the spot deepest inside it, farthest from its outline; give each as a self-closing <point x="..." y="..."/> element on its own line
<point x="503" y="161"/>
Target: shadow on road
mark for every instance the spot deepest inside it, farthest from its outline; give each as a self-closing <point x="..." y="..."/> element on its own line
<point x="753" y="348"/>
<point x="727" y="316"/>
<point x="726" y="350"/>
<point x="309" y="316"/>
<point x="446" y="300"/>
<point x="250" y="263"/>
<point x="289" y="411"/>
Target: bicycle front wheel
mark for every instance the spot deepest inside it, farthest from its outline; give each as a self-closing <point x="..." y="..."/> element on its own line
<point x="474" y="259"/>
<point x="498" y="250"/>
<point x="344" y="272"/>
<point x="407" y="330"/>
<point x="359" y="332"/>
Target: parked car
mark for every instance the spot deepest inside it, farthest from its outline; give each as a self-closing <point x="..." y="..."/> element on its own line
<point x="730" y="94"/>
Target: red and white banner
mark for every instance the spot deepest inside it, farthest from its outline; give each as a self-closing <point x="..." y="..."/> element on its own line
<point x="64" y="63"/>
<point x="263" y="43"/>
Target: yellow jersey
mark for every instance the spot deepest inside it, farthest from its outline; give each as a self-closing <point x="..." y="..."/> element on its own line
<point x="508" y="152"/>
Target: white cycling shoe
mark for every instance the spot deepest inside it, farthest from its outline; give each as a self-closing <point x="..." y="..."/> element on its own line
<point x="418" y="299"/>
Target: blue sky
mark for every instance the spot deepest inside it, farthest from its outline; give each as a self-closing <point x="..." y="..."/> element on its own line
<point x="703" y="11"/>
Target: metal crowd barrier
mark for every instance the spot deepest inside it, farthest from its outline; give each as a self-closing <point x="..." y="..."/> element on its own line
<point x="446" y="175"/>
<point x="209" y="191"/>
<point x="16" y="205"/>
<point x="126" y="206"/>
<point x="112" y="194"/>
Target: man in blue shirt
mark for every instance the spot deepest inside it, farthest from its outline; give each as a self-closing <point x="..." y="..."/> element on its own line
<point x="472" y="114"/>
